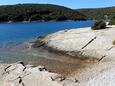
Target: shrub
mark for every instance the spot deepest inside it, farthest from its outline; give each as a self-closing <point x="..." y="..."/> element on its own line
<point x="99" y="25"/>
<point x="112" y="21"/>
<point x="114" y="42"/>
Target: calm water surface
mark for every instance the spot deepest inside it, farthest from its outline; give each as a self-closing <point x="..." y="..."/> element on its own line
<point x="14" y="36"/>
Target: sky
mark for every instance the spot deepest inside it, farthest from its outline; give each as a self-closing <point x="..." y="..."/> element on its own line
<point x="74" y="4"/>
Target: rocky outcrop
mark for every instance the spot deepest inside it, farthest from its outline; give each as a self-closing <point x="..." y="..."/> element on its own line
<point x="19" y="74"/>
<point x="84" y="42"/>
<point x="39" y="42"/>
<point x="81" y="43"/>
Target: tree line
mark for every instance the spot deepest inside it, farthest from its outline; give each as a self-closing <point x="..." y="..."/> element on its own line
<point x="38" y="12"/>
<point x="98" y="13"/>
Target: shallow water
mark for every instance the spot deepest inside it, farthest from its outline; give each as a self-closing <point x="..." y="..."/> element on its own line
<point x="14" y="38"/>
<point x="57" y="63"/>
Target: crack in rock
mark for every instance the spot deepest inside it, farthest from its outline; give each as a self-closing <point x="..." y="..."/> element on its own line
<point x="89" y="42"/>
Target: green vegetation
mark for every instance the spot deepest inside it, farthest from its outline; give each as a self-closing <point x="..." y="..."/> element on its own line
<point x="38" y="12"/>
<point x="98" y="13"/>
<point x="114" y="42"/>
<point x="99" y="25"/>
<point x="112" y="21"/>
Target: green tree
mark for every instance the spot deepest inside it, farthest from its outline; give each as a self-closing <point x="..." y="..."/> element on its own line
<point x="99" y="25"/>
<point x="112" y="21"/>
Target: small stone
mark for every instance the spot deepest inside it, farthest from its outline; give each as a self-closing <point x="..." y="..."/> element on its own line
<point x="22" y="63"/>
<point x="41" y="68"/>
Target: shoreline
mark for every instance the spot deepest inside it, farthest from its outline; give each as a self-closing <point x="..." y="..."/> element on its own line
<point x="21" y="74"/>
<point x="101" y="48"/>
<point x="87" y="72"/>
<point x="62" y="40"/>
<point x="11" y="22"/>
<point x="52" y="60"/>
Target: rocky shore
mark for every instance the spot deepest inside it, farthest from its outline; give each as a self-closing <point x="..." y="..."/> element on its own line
<point x="87" y="44"/>
<point x="83" y="44"/>
<point x="18" y="74"/>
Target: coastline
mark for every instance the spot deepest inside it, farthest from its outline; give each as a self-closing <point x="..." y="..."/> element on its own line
<point x="10" y="22"/>
<point x="95" y="73"/>
<point x="57" y="43"/>
<point x="101" y="47"/>
<point x="75" y="40"/>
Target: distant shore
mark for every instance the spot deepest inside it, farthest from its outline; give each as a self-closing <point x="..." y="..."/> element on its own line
<point x="9" y="22"/>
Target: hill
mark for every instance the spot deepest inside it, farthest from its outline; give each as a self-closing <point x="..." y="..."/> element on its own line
<point x="38" y="12"/>
<point x="98" y="13"/>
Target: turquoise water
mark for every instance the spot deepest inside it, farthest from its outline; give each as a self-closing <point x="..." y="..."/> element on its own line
<point x="14" y="37"/>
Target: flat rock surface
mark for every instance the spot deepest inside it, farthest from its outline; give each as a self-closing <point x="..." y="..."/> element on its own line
<point x="90" y="43"/>
<point x="20" y="75"/>
<point x="93" y="44"/>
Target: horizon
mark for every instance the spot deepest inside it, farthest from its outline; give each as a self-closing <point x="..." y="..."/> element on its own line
<point x="57" y="5"/>
<point x="70" y="4"/>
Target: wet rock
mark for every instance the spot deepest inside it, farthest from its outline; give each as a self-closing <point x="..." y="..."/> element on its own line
<point x="40" y="39"/>
<point x="39" y="42"/>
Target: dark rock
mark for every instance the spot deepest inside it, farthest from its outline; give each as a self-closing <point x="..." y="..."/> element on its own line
<point x="22" y="63"/>
<point x="7" y="67"/>
<point x="42" y="69"/>
<point x="40" y="39"/>
<point x="39" y="42"/>
<point x="77" y="81"/>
